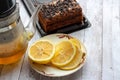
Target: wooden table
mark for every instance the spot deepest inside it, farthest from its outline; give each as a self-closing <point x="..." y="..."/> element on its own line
<point x="102" y="42"/>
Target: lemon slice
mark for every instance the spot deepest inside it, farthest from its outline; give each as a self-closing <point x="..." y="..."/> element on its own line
<point x="75" y="62"/>
<point x="76" y="42"/>
<point x="64" y="53"/>
<point x="41" y="51"/>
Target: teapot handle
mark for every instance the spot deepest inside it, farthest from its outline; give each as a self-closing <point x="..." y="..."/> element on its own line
<point x="31" y="27"/>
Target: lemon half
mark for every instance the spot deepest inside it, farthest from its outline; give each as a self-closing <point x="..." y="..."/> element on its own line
<point x="64" y="53"/>
<point x="75" y="62"/>
<point x="41" y="51"/>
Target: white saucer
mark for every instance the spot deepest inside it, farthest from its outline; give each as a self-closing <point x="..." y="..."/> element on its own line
<point x="52" y="71"/>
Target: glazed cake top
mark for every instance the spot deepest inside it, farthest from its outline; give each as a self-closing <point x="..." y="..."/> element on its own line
<point x="57" y="7"/>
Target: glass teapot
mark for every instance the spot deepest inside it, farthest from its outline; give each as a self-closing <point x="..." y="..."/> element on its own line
<point x="13" y="36"/>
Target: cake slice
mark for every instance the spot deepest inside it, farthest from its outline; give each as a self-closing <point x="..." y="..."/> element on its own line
<point x="60" y="13"/>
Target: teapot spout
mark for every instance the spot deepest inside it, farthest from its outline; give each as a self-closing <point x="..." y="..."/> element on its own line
<point x="31" y="26"/>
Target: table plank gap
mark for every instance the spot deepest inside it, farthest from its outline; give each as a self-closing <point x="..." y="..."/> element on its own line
<point x="93" y="41"/>
<point x="107" y="71"/>
<point x="116" y="39"/>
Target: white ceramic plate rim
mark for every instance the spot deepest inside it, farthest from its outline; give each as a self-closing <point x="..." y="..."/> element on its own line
<point x="56" y="72"/>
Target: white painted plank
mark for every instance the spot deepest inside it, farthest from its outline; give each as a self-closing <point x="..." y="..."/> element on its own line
<point x="107" y="73"/>
<point x="93" y="41"/>
<point x="116" y="39"/>
<point x="83" y="5"/>
<point x="11" y="71"/>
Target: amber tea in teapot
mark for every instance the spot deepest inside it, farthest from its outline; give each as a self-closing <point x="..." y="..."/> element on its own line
<point x="13" y="44"/>
<point x="13" y="36"/>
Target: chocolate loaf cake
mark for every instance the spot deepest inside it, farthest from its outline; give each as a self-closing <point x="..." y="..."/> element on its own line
<point x="60" y="13"/>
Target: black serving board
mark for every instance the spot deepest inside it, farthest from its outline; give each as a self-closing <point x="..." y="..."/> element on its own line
<point x="30" y="6"/>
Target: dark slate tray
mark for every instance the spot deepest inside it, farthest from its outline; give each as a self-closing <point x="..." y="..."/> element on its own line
<point x="30" y="6"/>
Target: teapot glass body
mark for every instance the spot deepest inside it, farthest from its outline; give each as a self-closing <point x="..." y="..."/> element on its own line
<point x="13" y="38"/>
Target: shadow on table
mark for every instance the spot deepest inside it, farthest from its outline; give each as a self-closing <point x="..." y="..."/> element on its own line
<point x="75" y="76"/>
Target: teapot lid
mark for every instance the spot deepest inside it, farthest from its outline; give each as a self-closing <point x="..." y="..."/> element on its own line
<point x="7" y="7"/>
